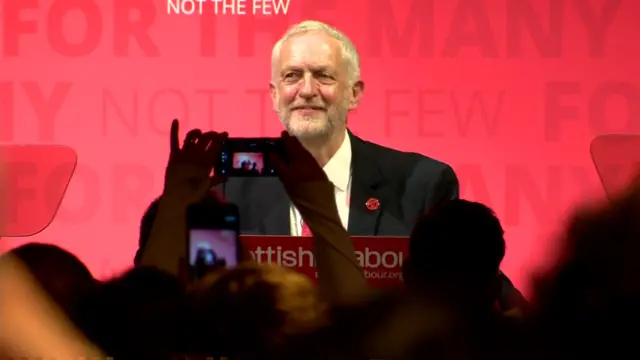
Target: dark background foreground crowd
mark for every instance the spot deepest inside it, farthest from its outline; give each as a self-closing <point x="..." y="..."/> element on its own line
<point x="586" y="305"/>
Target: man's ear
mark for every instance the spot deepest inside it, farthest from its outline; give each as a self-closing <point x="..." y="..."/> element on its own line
<point x="356" y="95"/>
<point x="274" y="96"/>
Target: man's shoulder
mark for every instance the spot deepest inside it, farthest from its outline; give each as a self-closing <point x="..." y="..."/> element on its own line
<point x="392" y="159"/>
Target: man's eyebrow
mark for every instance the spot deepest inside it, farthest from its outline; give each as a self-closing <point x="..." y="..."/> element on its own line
<point x="288" y="68"/>
<point x="324" y="68"/>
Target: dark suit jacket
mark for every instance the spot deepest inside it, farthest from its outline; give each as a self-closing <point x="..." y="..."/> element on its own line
<point x="406" y="185"/>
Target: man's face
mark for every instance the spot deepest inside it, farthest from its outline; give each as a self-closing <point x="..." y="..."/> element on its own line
<point x="311" y="91"/>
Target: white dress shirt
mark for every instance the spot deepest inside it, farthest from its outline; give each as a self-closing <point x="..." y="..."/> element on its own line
<point x="338" y="170"/>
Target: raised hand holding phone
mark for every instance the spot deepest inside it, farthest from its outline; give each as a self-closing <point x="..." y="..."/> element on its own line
<point x="295" y="165"/>
<point x="187" y="177"/>
<point x="187" y="181"/>
<point x="339" y="274"/>
<point x="304" y="180"/>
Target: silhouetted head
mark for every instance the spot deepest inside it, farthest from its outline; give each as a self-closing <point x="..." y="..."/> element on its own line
<point x="588" y="301"/>
<point x="61" y="274"/>
<point x="140" y="315"/>
<point x="457" y="247"/>
<point x="249" y="309"/>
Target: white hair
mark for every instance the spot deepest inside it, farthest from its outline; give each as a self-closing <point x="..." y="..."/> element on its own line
<point x="349" y="52"/>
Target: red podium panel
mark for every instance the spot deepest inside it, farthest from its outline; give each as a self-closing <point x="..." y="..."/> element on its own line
<point x="616" y="159"/>
<point x="33" y="180"/>
<point x="380" y="257"/>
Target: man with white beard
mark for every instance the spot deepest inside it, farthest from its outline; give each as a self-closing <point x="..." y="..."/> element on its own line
<point x="315" y="83"/>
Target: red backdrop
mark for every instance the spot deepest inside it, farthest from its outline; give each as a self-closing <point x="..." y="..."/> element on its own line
<point x="510" y="92"/>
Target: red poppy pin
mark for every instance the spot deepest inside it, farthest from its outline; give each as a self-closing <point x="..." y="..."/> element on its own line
<point x="372" y="204"/>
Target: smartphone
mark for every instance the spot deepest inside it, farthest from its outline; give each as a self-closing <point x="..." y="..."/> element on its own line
<point x="248" y="157"/>
<point x="213" y="237"/>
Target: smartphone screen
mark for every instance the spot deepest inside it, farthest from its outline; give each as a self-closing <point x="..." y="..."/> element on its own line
<point x="213" y="231"/>
<point x="248" y="157"/>
<point x="213" y="247"/>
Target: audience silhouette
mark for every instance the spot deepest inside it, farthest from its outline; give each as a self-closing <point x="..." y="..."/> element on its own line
<point x="448" y="309"/>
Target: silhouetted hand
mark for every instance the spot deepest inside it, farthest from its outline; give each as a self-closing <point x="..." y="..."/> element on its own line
<point x="297" y="166"/>
<point x="187" y="177"/>
<point x="37" y="326"/>
<point x="340" y="276"/>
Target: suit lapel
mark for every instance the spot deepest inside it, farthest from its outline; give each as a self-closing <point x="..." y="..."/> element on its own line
<point x="367" y="186"/>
